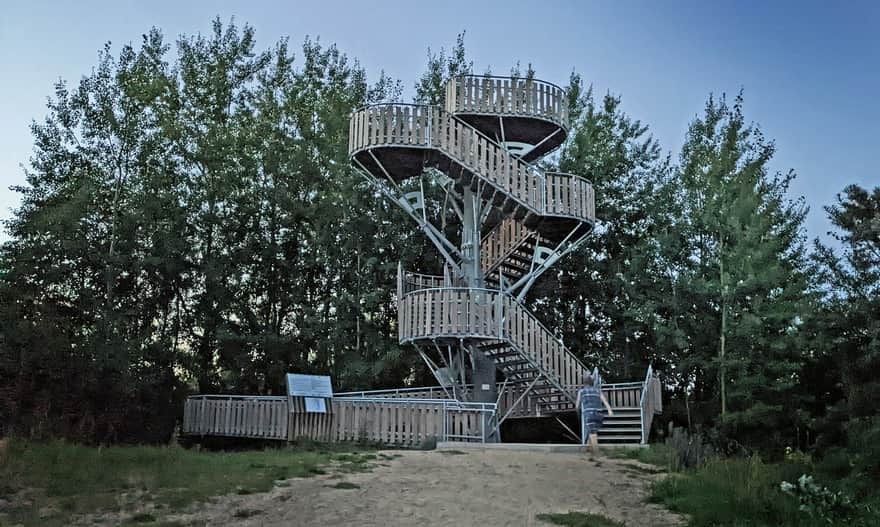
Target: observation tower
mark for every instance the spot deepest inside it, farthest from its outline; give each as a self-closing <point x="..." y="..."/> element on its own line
<point x="504" y="221"/>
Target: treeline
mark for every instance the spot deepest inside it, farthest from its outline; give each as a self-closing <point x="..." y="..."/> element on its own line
<point x="191" y="223"/>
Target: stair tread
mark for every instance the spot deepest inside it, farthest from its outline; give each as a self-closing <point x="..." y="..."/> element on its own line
<point x="637" y="430"/>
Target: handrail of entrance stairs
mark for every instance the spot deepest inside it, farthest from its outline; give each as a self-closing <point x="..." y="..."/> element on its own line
<point x="642" y="402"/>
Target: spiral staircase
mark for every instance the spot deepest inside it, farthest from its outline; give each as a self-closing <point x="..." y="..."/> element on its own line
<point x="515" y="220"/>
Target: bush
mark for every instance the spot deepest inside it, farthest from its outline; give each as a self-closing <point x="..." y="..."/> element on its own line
<point x="818" y="501"/>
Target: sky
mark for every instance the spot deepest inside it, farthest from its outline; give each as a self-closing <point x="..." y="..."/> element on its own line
<point x="810" y="71"/>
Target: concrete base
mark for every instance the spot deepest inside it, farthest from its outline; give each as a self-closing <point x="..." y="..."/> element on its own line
<point x="566" y="448"/>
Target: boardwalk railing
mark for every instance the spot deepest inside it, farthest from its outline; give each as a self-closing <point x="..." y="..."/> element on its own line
<point x="391" y="421"/>
<point x="236" y="416"/>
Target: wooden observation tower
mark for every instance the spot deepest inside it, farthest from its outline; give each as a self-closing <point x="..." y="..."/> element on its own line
<point x="504" y="222"/>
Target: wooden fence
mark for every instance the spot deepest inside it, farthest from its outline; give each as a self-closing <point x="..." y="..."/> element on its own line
<point x="391" y="421"/>
<point x="236" y="416"/>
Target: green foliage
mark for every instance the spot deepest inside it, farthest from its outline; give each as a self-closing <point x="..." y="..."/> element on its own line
<point x="605" y="297"/>
<point x="579" y="519"/>
<point x="735" y="492"/>
<point x="77" y="479"/>
<point x="818" y="501"/>
<point x="749" y="492"/>
<point x="743" y="285"/>
<point x="192" y="221"/>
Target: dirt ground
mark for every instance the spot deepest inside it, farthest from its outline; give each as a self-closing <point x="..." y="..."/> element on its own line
<point x="437" y="488"/>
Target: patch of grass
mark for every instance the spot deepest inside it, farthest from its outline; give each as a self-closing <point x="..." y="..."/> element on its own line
<point x="51" y="482"/>
<point x="660" y="455"/>
<point x="639" y="470"/>
<point x="354" y="462"/>
<point x="345" y="485"/>
<point x="579" y="519"/>
<point x="734" y="492"/>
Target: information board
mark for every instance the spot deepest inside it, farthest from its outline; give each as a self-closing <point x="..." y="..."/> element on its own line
<point x="315" y="405"/>
<point x="300" y="385"/>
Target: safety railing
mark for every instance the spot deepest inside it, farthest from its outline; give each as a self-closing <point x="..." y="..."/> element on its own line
<point x="506" y="96"/>
<point x="251" y="416"/>
<point x="456" y="312"/>
<point x="651" y="402"/>
<point x="425" y="126"/>
<point x="388" y="420"/>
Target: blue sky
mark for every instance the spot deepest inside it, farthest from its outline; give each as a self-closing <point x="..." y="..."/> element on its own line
<point x="810" y="71"/>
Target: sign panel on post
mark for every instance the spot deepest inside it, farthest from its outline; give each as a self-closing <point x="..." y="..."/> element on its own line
<point x="314" y="388"/>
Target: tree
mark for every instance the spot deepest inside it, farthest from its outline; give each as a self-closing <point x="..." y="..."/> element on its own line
<point x="742" y="277"/>
<point x="606" y="296"/>
<point x="847" y="325"/>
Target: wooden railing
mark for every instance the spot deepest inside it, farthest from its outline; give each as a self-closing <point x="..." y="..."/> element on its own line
<point x="392" y="421"/>
<point x="423" y="126"/>
<point x="415" y="281"/>
<point x="570" y="196"/>
<point x="651" y="403"/>
<point x="507" y="96"/>
<point x="236" y="416"/>
<point x="453" y="312"/>
<point x="449" y="312"/>
<point x="623" y="395"/>
<point x="502" y="241"/>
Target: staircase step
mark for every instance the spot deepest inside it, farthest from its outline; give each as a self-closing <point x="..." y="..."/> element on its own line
<point x="608" y="430"/>
<point x="618" y="438"/>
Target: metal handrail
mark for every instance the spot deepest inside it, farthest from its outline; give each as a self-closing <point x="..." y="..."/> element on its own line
<point x="235" y="396"/>
<point x="642" y="401"/>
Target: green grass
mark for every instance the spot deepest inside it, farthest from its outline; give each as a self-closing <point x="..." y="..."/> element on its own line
<point x="735" y="492"/>
<point x="60" y="480"/>
<point x="660" y="455"/>
<point x="744" y="492"/>
<point x="579" y="519"/>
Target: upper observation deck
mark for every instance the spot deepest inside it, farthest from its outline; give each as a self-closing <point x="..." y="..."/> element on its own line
<point x="398" y="141"/>
<point x="528" y="116"/>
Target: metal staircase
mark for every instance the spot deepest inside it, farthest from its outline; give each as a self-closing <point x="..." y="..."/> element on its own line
<point x="483" y="142"/>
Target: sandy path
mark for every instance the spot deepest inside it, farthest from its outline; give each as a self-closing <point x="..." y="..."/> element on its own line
<point x="492" y="488"/>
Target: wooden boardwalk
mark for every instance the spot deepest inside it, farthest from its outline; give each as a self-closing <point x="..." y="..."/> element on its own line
<point x="397" y="421"/>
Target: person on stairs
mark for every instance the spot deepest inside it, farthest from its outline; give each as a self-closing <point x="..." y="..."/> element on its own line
<point x="589" y="405"/>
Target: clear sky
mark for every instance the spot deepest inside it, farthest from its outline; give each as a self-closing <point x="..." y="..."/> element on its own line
<point x="810" y="70"/>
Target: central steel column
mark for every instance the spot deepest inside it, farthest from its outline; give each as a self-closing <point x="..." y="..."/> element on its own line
<point x="483" y="376"/>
